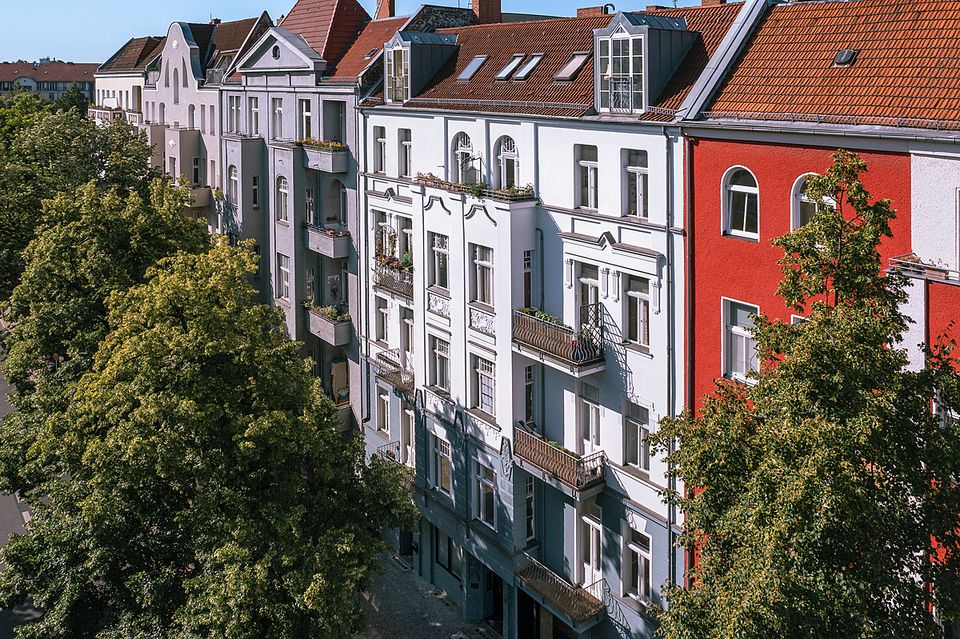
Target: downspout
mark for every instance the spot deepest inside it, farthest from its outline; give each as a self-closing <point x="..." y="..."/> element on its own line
<point x="363" y="271"/>
<point x="671" y="350"/>
<point x="690" y="303"/>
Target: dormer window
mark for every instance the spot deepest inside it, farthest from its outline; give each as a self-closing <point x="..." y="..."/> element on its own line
<point x="621" y="73"/>
<point x="398" y="75"/>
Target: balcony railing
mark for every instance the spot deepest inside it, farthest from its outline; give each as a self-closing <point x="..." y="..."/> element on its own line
<point x="577" y="603"/>
<point x="390" y="452"/>
<point x="215" y="76"/>
<point x="560" y="341"/>
<point x="577" y="472"/>
<point x="392" y="369"/>
<point x="394" y="279"/>
<point x="912" y="266"/>
<point x="334" y="329"/>
<point x="516" y="194"/>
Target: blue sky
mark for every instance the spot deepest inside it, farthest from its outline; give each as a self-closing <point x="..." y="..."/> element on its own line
<point x="91" y="32"/>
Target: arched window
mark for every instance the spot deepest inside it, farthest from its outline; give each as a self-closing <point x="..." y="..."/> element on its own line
<point x="176" y="86"/>
<point x="163" y="113"/>
<point x="465" y="167"/>
<point x="192" y="116"/>
<point x="183" y="73"/>
<point x="233" y="184"/>
<point x="741" y="201"/>
<point x="802" y="206"/>
<point x="508" y="163"/>
<point x="283" y="193"/>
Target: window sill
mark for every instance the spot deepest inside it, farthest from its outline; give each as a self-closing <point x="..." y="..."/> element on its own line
<point x="480" y="306"/>
<point x="740" y="379"/>
<point x="283" y="222"/>
<point x="639" y="349"/>
<point x="282" y="302"/>
<point x="438" y="290"/>
<point x="439" y="392"/>
<point x="490" y="527"/>
<point x="742" y="236"/>
<point x="484" y="416"/>
<point x="636" y="472"/>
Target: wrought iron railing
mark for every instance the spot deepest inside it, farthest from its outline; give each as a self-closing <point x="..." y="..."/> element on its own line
<point x="392" y="369"/>
<point x="390" y="452"/>
<point x="578" y="472"/>
<point x="397" y="280"/>
<point x="574" y="601"/>
<point x="579" y="347"/>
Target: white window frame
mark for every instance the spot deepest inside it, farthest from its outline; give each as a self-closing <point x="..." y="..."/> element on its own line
<point x="405" y="168"/>
<point x="233" y="184"/>
<point x="276" y="109"/>
<point x="591" y="170"/>
<point x="233" y="116"/>
<point x="632" y="78"/>
<point x="440" y="363"/>
<point x="482" y="275"/>
<point x="464" y="160"/>
<point x="485" y="486"/>
<point x="727" y="194"/>
<point x="590" y="524"/>
<point x="383" y="411"/>
<point x="589" y="420"/>
<point x="253" y="115"/>
<point x="382" y="319"/>
<point x="304" y="119"/>
<point x="441" y="456"/>
<point x="798" y="199"/>
<point x="283" y="199"/>
<point x="379" y="149"/>
<point x="398" y="84"/>
<point x="641" y="589"/>
<point x="641" y="175"/>
<point x="483" y="373"/>
<point x="507" y="156"/>
<point x="641" y="302"/>
<point x="733" y="332"/>
<point x="283" y="277"/>
<point x="530" y="509"/>
<point x="642" y="437"/>
<point x="440" y="262"/>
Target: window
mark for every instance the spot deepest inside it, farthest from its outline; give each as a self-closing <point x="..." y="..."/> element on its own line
<point x="572" y="67"/>
<point x="283" y="277"/>
<point x="484" y="385"/>
<point x="253" y="116"/>
<point x="528" y="67"/>
<point x="305" y="120"/>
<point x="527" y="279"/>
<point x="529" y="514"/>
<point x="485" y="494"/>
<point x="196" y="171"/>
<point x="621" y="73"/>
<point x="482" y="275"/>
<point x="334" y="120"/>
<point x="529" y="395"/>
<point x="506" y="71"/>
<point x="277" y="111"/>
<point x="203" y="118"/>
<point x="638" y="310"/>
<point x="233" y="115"/>
<point x="176" y="86"/>
<point x="442" y="466"/>
<point x="803" y="206"/>
<point x="636" y="174"/>
<point x="448" y="553"/>
<point x="283" y="193"/>
<point x="275" y="52"/>
<point x="379" y="149"/>
<point x="472" y="67"/>
<point x="636" y="562"/>
<point x="163" y="113"/>
<point x="398" y="76"/>
<point x="465" y="168"/>
<point x="589" y="419"/>
<point x="383" y="411"/>
<point x="406" y="153"/>
<point x="508" y="163"/>
<point x="212" y="177"/>
<point x="233" y="184"/>
<point x="636" y="448"/>
<point x="587" y="167"/>
<point x="591" y="544"/>
<point x="311" y="208"/>
<point x="192" y="116"/>
<point x="439" y="363"/>
<point x="406" y="336"/>
<point x="213" y="120"/>
<point x="382" y="319"/>
<point x="739" y="346"/>
<point x="255" y="192"/>
<point x="439" y="273"/>
<point x="741" y="201"/>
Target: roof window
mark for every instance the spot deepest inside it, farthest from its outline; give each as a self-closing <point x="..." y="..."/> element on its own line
<point x="845" y="58"/>
<point x="511" y="66"/>
<point x="528" y="67"/>
<point x="370" y="53"/>
<point x="472" y="67"/>
<point x="572" y="67"/>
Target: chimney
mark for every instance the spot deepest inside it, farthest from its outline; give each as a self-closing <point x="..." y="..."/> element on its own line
<point x="592" y="12"/>
<point x="215" y="21"/>
<point x="712" y="3"/>
<point x="487" y="11"/>
<point x="386" y="9"/>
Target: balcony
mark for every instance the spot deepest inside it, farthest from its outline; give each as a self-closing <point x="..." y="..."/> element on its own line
<point x="105" y="115"/>
<point x="392" y="369"/>
<point x="394" y="278"/>
<point x="330" y="325"/>
<point x="329" y="157"/>
<point x="393" y="452"/>
<point x="557" y="466"/>
<point x="480" y="191"/>
<point x="214" y="77"/>
<point x="328" y="242"/>
<point x="134" y="117"/>
<point x="545" y="338"/>
<point x="574" y="604"/>
<point x="201" y="197"/>
<point x="912" y="266"/>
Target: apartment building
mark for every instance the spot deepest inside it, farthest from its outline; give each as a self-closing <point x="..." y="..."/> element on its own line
<point x="47" y="79"/>
<point x="120" y="81"/>
<point x="181" y="104"/>
<point x="521" y="258"/>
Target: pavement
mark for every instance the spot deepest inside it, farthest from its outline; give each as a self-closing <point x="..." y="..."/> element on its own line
<point x="401" y="605"/>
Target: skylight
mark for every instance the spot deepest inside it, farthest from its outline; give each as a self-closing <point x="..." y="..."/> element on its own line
<point x="528" y="67"/>
<point x="472" y="68"/>
<point x="845" y="58"/>
<point x="370" y="53"/>
<point x="571" y="68"/>
<point x="511" y="66"/>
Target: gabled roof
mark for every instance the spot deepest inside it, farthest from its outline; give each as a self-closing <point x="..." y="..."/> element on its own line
<point x="366" y="47"/>
<point x="328" y="26"/>
<point x="48" y="71"/>
<point x="905" y="71"/>
<point x="132" y="56"/>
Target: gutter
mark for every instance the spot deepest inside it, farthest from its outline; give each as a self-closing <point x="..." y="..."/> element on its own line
<point x="690" y="302"/>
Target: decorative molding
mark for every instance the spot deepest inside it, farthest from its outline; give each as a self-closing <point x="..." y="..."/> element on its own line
<point x="435" y="199"/>
<point x="506" y="459"/>
<point x="479" y="207"/>
<point x="438" y="304"/>
<point x="483" y="322"/>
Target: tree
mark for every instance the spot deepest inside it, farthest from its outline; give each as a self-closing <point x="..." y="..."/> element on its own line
<point x="74" y="99"/>
<point x="17" y="113"/>
<point x="825" y="479"/>
<point x="198" y="483"/>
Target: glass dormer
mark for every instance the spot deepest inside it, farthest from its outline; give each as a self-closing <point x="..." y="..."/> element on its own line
<point x="620" y="66"/>
<point x="398" y="74"/>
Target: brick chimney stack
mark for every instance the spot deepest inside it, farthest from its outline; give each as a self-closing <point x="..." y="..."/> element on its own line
<point x="487" y="11"/>
<point x="712" y="3"/>
<point x="386" y="9"/>
<point x="215" y="21"/>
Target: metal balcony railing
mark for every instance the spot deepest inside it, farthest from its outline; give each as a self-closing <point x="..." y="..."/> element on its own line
<point x="578" y="472"/>
<point x="619" y="90"/>
<point x="396" y="280"/>
<point x="575" y="347"/>
<point x="912" y="266"/>
<point x="574" y="601"/>
<point x="390" y="452"/>
<point x="392" y="369"/>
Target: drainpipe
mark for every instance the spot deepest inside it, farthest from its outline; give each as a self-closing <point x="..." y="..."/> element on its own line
<point x="363" y="275"/>
<point x="671" y="349"/>
<point x="689" y="302"/>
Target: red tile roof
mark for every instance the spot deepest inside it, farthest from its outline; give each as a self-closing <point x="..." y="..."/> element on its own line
<point x="328" y="26"/>
<point x="230" y="36"/>
<point x="372" y="38"/>
<point x="906" y="67"/>
<point x="47" y="72"/>
<point x="133" y="56"/>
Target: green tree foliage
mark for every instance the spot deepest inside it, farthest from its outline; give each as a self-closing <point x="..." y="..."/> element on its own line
<point x="18" y="112"/>
<point x="56" y="153"/>
<point x="197" y="483"/>
<point x="827" y="477"/>
<point x="74" y="99"/>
